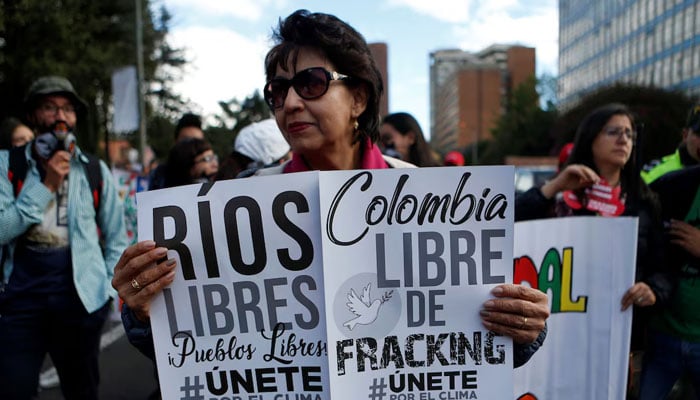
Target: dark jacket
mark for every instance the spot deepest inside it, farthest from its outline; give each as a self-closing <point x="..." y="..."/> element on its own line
<point x="680" y="199"/>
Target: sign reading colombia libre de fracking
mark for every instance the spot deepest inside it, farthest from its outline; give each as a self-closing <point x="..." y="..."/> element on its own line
<point x="333" y="285"/>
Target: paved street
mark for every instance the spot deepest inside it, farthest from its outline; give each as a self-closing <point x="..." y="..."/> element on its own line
<point x="125" y="373"/>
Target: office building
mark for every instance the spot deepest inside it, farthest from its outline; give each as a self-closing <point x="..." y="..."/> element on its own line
<point x="644" y="42"/>
<point x="468" y="92"/>
<point x="380" y="54"/>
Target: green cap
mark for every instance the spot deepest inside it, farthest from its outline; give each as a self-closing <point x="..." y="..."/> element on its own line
<point x="56" y="85"/>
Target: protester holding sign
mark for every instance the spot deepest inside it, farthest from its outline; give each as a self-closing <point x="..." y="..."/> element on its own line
<point x="330" y="120"/>
<point x="600" y="178"/>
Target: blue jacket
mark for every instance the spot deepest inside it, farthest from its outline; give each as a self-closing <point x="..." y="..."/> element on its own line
<point x="93" y="267"/>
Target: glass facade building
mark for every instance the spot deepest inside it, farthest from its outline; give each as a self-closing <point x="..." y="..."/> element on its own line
<point x="646" y="42"/>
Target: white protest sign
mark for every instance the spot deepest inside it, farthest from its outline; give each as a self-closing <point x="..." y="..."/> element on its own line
<point x="409" y="257"/>
<point x="585" y="265"/>
<point x="244" y="316"/>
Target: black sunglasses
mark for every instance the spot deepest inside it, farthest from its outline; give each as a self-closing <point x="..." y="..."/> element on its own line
<point x="309" y="84"/>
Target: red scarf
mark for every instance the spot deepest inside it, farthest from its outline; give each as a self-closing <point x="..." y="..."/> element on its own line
<point x="371" y="159"/>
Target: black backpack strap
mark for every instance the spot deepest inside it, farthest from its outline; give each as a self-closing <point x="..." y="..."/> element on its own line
<point x="17" y="168"/>
<point x="94" y="177"/>
<point x="16" y="172"/>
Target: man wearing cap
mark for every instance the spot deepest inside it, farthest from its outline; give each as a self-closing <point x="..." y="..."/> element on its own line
<point x="55" y="291"/>
<point x="263" y="143"/>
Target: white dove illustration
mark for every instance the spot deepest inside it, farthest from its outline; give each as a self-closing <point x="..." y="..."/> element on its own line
<point x="365" y="309"/>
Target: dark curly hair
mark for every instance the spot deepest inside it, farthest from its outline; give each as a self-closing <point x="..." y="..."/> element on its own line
<point x="342" y="45"/>
<point x="186" y="121"/>
<point x="181" y="160"/>
<point x="7" y="129"/>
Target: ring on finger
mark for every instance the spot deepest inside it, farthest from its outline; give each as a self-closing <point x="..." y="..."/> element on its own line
<point x="135" y="284"/>
<point x="640" y="299"/>
<point x="524" y="323"/>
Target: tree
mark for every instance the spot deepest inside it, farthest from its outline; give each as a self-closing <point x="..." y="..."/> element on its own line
<point x="662" y="113"/>
<point x="83" y="40"/>
<point x="234" y="116"/>
<point x="524" y="128"/>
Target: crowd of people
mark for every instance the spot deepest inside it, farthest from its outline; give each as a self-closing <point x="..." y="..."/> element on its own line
<point x="65" y="255"/>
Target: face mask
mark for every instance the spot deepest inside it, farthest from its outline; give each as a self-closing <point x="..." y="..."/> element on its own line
<point x="59" y="137"/>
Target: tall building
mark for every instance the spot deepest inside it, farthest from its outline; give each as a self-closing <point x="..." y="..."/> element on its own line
<point x="379" y="52"/>
<point x="646" y="42"/>
<point x="468" y="91"/>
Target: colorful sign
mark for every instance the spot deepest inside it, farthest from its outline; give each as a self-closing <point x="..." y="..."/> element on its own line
<point x="585" y="265"/>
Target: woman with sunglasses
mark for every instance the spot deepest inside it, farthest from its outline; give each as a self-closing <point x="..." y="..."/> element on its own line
<point x="600" y="178"/>
<point x="324" y="89"/>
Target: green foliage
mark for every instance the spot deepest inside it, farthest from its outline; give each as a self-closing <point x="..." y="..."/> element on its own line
<point x="164" y="139"/>
<point x="524" y="128"/>
<point x="474" y="156"/>
<point x="236" y="114"/>
<point x="85" y="41"/>
<point x="662" y="112"/>
<point x="233" y="117"/>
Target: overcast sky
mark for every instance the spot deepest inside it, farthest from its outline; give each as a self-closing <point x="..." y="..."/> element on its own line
<point x="226" y="41"/>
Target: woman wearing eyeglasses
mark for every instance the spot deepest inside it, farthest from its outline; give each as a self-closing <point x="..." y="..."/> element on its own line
<point x="190" y="161"/>
<point x="324" y="88"/>
<point x="601" y="178"/>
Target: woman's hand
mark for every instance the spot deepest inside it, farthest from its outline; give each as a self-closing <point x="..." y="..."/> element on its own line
<point x="573" y="177"/>
<point x="686" y="236"/>
<point x="141" y="273"/>
<point x="517" y="311"/>
<point x="640" y="294"/>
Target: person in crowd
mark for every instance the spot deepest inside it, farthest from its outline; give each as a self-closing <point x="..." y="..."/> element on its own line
<point x="602" y="161"/>
<point x="402" y="133"/>
<point x="190" y="161"/>
<point x="453" y="159"/>
<point x="672" y="358"/>
<point x="55" y="291"/>
<point x="603" y="155"/>
<point x="323" y="87"/>
<point x="687" y="154"/>
<point x="257" y="145"/>
<point x="13" y="133"/>
<point x="189" y="126"/>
